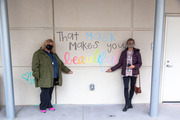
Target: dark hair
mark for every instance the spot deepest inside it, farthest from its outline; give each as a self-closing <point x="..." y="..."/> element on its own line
<point x="130" y="39"/>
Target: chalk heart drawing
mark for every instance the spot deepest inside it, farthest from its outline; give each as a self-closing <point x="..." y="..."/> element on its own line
<point x="28" y="77"/>
<point x="25" y="76"/>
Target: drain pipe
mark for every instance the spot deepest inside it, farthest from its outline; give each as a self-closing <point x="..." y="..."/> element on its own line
<point x="6" y="61"/>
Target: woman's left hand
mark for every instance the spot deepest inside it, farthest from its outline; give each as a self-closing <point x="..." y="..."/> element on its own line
<point x="131" y="67"/>
<point x="70" y="72"/>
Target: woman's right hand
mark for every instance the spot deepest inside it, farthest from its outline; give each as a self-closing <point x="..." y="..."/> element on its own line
<point x="108" y="70"/>
<point x="70" y="72"/>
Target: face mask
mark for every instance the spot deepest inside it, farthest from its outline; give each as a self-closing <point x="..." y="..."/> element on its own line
<point x="130" y="45"/>
<point x="49" y="47"/>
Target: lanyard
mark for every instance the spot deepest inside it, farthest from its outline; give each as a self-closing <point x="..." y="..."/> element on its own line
<point x="52" y="58"/>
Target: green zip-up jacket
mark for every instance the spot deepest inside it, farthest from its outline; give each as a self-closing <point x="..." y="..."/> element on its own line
<point x="43" y="70"/>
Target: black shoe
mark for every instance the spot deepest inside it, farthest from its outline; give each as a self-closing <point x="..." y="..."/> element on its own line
<point x="125" y="108"/>
<point x="130" y="105"/>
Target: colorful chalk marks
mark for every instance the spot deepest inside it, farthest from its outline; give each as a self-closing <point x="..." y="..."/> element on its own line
<point x="101" y="48"/>
<point x="28" y="77"/>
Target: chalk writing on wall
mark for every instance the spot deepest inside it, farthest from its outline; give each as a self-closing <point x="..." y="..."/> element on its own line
<point x="83" y="48"/>
<point x="28" y="77"/>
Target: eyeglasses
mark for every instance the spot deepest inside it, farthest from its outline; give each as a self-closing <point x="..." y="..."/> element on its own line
<point x="50" y="45"/>
<point x="130" y="43"/>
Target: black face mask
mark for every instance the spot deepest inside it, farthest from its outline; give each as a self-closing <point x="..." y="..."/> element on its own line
<point x="49" y="47"/>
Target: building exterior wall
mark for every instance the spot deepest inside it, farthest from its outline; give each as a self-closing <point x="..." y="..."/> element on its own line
<point x="33" y="21"/>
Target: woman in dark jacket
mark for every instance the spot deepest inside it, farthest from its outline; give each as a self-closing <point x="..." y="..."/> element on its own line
<point x="130" y="61"/>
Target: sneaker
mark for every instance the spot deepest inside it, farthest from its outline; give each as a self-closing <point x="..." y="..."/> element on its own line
<point x="43" y="111"/>
<point x="52" y="109"/>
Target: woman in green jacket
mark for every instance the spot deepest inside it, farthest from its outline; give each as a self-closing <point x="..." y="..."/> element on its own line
<point x="47" y="67"/>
